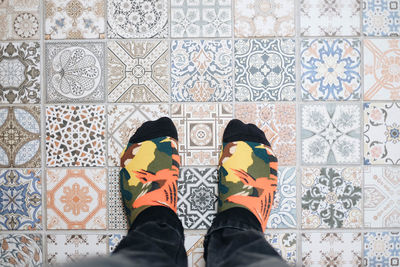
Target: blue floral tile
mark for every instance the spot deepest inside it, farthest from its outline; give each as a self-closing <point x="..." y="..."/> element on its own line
<point x="285" y="244"/>
<point x="330" y="69"/>
<point x="381" y="17"/>
<point x="265" y="69"/>
<point x="382" y="249"/>
<point x="21" y="250"/>
<point x="114" y="240"/>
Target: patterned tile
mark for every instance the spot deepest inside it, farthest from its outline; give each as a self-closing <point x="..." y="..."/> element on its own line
<point x="20" y="200"/>
<point x="265" y="69"/>
<point x="330" y="17"/>
<point x="258" y="18"/>
<point x="330" y="69"/>
<point x="70" y="248"/>
<point x="137" y="19"/>
<point x="74" y="19"/>
<point x="21" y="250"/>
<point x="381" y="69"/>
<point x="200" y="128"/>
<point x="116" y="214"/>
<point x="19" y="19"/>
<point x="123" y="121"/>
<point x="381" y="187"/>
<point x="74" y="72"/>
<point x="75" y="135"/>
<point x="330" y="133"/>
<point x="285" y="244"/>
<point x="195" y="249"/>
<point x="138" y="71"/>
<point x="20" y="137"/>
<point x="382" y="249"/>
<point x="19" y="73"/>
<point x="331" y="198"/>
<point x="201" y="18"/>
<point x="381" y="17"/>
<point x="113" y="241"/>
<point x="381" y="133"/>
<point x="331" y="249"/>
<point x="201" y="70"/>
<point x="278" y="121"/>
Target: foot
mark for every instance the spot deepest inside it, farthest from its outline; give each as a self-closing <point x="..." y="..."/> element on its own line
<point x="247" y="171"/>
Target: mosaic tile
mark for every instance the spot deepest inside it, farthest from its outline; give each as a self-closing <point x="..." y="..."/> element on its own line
<point x="331" y="249"/>
<point x="137" y="19"/>
<point x="381" y="17"/>
<point x="20" y="200"/>
<point x="200" y="128"/>
<point x="330" y="133"/>
<point x="123" y="121"/>
<point x="381" y="133"/>
<point x="330" y="69"/>
<point x="74" y="19"/>
<point x="116" y="214"/>
<point x="201" y="18"/>
<point x="201" y="70"/>
<point x="278" y="121"/>
<point x="285" y="244"/>
<point x="330" y="17"/>
<point x="138" y="71"/>
<point x="71" y="248"/>
<point x="75" y="135"/>
<point x="195" y="249"/>
<point x="20" y="137"/>
<point x="19" y="73"/>
<point x="331" y="198"/>
<point x="19" y="19"/>
<point x="381" y="69"/>
<point x="113" y="241"/>
<point x="74" y="72"/>
<point x="21" y="250"/>
<point x="265" y="69"/>
<point x="381" y="187"/>
<point x="382" y="249"/>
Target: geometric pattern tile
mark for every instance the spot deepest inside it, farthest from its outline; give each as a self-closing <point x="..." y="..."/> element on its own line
<point x="382" y="249"/>
<point x="124" y="120"/>
<point x="138" y="71"/>
<point x="278" y="121"/>
<point x="113" y="241"/>
<point x="75" y="135"/>
<point x="330" y="69"/>
<point x="381" y="133"/>
<point x="381" y="17"/>
<point x="20" y="137"/>
<point x="285" y="244"/>
<point x="20" y="200"/>
<point x="19" y="73"/>
<point x="76" y="198"/>
<point x="116" y="213"/>
<point x="382" y="197"/>
<point x="265" y="69"/>
<point x="21" y="250"/>
<point x="195" y="249"/>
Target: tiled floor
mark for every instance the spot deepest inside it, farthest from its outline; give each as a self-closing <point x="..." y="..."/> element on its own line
<point x="321" y="78"/>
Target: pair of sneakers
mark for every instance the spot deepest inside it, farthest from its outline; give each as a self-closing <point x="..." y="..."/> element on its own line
<point x="247" y="169"/>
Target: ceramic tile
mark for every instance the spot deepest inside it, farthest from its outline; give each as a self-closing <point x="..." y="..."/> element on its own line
<point x="137" y="19"/>
<point x="195" y="249"/>
<point x="330" y="69"/>
<point x="381" y="69"/>
<point x="75" y="135"/>
<point x="20" y="137"/>
<point x="20" y="200"/>
<point x="382" y="249"/>
<point x="21" y="250"/>
<point x="331" y="198"/>
<point x="330" y="133"/>
<point x="19" y="19"/>
<point x="200" y="128"/>
<point x="201" y="18"/>
<point x="265" y="69"/>
<point x="123" y="121"/>
<point x="381" y="17"/>
<point x="74" y="72"/>
<point x="113" y="241"/>
<point x="116" y="213"/>
<point x="138" y="71"/>
<point x="381" y="133"/>
<point x="330" y="17"/>
<point x="258" y="18"/>
<point x="201" y="70"/>
<point x="72" y="247"/>
<point x="278" y="121"/>
<point x="331" y="249"/>
<point x="382" y="191"/>
<point x="19" y="73"/>
<point x="74" y="19"/>
<point x="285" y="244"/>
